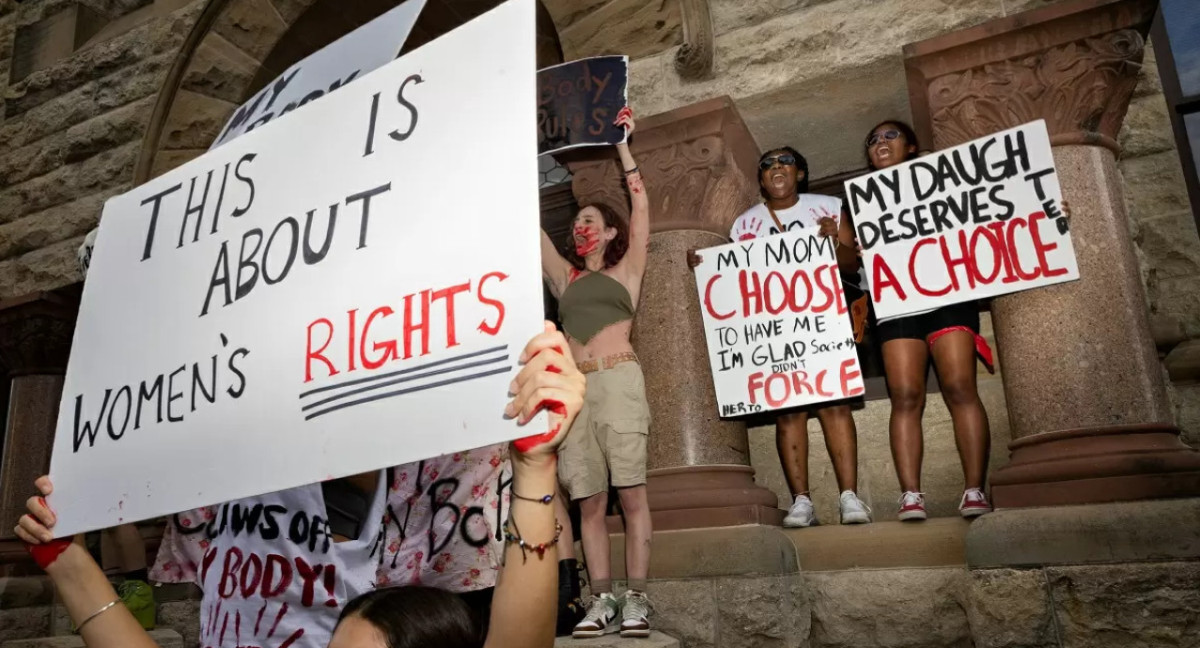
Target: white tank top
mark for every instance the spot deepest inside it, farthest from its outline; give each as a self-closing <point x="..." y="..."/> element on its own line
<point x="272" y="574"/>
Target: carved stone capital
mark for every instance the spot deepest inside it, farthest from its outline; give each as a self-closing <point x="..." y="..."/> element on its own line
<point x="1074" y="64"/>
<point x="694" y="59"/>
<point x="699" y="164"/>
<point x="35" y="333"/>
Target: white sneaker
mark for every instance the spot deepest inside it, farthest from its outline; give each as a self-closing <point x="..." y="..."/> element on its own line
<point x="600" y="619"/>
<point x="635" y="610"/>
<point x="801" y="514"/>
<point x="912" y="506"/>
<point x="852" y="509"/>
<point x="973" y="504"/>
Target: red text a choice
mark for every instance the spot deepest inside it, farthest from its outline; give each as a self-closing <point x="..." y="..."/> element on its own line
<point x="971" y="258"/>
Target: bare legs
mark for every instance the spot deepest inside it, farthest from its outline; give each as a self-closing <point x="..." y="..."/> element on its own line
<point x="791" y="440"/>
<point x="954" y="359"/>
<point x="638" y="534"/>
<point x="905" y="362"/>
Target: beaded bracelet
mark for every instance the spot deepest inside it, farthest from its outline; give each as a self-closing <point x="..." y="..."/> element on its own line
<point x="512" y="535"/>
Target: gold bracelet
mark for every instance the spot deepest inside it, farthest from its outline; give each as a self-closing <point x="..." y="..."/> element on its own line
<point x="96" y="614"/>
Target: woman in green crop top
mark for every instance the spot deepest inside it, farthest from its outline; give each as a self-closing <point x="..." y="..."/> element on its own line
<point x="598" y="284"/>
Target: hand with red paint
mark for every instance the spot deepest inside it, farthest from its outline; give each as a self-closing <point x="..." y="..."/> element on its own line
<point x="85" y="590"/>
<point x="625" y="118"/>
<point x="551" y="381"/>
<point x="34" y="528"/>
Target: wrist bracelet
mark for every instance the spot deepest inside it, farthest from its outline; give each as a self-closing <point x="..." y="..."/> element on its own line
<point x="512" y="535"/>
<point x="96" y="614"/>
<point x="631" y="171"/>
<point x="544" y="499"/>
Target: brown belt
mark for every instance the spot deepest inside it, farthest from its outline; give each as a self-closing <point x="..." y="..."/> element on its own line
<point x="607" y="362"/>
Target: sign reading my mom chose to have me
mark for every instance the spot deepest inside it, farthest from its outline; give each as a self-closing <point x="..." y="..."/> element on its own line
<point x="329" y="294"/>
<point x="974" y="221"/>
<point x="777" y="324"/>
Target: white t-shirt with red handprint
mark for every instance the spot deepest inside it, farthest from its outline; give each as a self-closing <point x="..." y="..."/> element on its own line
<point x="807" y="212"/>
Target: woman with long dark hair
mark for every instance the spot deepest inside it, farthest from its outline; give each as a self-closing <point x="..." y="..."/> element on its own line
<point x="598" y="284"/>
<point x="950" y="337"/>
<point x="523" y="609"/>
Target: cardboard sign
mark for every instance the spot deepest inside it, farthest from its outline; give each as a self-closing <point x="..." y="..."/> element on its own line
<point x="329" y="294"/>
<point x="361" y="51"/>
<point x="777" y="324"/>
<point x="578" y="101"/>
<point x="975" y="221"/>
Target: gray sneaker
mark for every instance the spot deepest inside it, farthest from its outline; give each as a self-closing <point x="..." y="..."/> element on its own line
<point x="601" y="617"/>
<point x="635" y="612"/>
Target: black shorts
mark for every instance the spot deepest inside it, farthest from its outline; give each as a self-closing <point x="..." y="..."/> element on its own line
<point x="920" y="327"/>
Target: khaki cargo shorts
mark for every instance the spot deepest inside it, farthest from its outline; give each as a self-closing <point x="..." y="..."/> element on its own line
<point x="607" y="443"/>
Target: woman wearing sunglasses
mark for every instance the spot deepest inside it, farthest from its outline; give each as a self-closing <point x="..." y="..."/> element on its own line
<point x="597" y="285"/>
<point x="783" y="180"/>
<point x="951" y="336"/>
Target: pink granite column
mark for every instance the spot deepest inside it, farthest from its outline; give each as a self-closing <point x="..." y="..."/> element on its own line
<point x="699" y="166"/>
<point x="35" y="340"/>
<point x="1086" y="395"/>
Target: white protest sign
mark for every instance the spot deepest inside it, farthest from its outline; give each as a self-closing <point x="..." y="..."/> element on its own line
<point x="365" y="49"/>
<point x="332" y="293"/>
<point x="974" y="221"/>
<point x="777" y="324"/>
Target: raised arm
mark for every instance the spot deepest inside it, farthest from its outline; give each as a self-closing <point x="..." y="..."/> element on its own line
<point x="93" y="605"/>
<point x="555" y="269"/>
<point x="634" y="263"/>
<point x="525" y="603"/>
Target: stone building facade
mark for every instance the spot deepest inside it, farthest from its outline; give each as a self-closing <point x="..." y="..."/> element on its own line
<point x="100" y="95"/>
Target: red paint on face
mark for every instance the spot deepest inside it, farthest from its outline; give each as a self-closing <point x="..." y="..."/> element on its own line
<point x="591" y="240"/>
<point x="45" y="554"/>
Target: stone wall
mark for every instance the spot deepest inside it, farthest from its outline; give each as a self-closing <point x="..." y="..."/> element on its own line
<point x="1163" y="226"/>
<point x="71" y="132"/>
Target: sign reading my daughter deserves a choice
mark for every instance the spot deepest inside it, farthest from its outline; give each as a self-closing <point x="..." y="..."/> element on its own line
<point x="974" y="221"/>
<point x="300" y="304"/>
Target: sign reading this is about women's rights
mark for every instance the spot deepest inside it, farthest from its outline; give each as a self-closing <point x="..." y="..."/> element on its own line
<point x="317" y="298"/>
<point x="978" y="220"/>
<point x="777" y="324"/>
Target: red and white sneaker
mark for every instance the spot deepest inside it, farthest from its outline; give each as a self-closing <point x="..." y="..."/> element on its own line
<point x="974" y="503"/>
<point x="912" y="506"/>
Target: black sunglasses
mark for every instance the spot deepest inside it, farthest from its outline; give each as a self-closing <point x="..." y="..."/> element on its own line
<point x="786" y="159"/>
<point x="888" y="135"/>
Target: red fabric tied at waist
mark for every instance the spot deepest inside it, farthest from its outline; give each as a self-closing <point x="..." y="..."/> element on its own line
<point x="981" y="345"/>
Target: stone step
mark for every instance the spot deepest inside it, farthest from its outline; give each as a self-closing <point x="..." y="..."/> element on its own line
<point x="655" y="640"/>
<point x="163" y="637"/>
